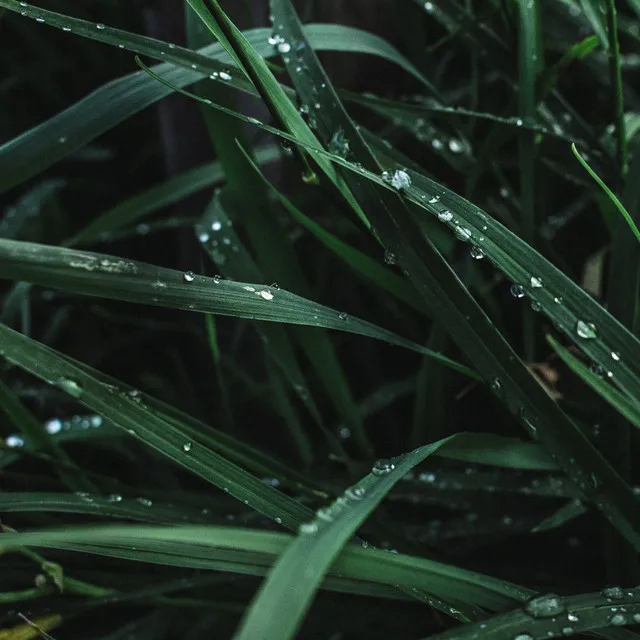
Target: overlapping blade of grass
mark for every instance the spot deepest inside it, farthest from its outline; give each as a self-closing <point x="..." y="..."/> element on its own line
<point x="140" y="206"/>
<point x="452" y="304"/>
<point x="529" y="61"/>
<point x="279" y="607"/>
<point x="613" y="607"/>
<point x="35" y="437"/>
<point x="44" y="145"/>
<point x="625" y="405"/>
<point x="234" y="262"/>
<point x="111" y="506"/>
<point x="565" y="514"/>
<point x="127" y="411"/>
<point x="101" y="275"/>
<point x="253" y="552"/>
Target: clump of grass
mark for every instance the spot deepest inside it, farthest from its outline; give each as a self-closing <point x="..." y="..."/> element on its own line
<point x="372" y="354"/>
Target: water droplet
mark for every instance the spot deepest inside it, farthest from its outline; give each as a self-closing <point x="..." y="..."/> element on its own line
<point x="355" y="493"/>
<point x="434" y="199"/>
<point x="567" y="631"/>
<point x="53" y="426"/>
<point x="216" y="279"/>
<point x="517" y="291"/>
<point x="339" y="145"/>
<point x="597" y="370"/>
<point x="523" y="636"/>
<point x="265" y="295"/>
<point x="618" y="620"/>
<point x="613" y="593"/>
<point x="216" y="225"/>
<point x="189" y="276"/>
<point x="40" y="19"/>
<point x="477" y="253"/>
<point x="535" y="282"/>
<point x="343" y="316"/>
<point x="145" y="502"/>
<point x="70" y="386"/>
<point x="100" y="27"/>
<point x="636" y="618"/>
<point x="572" y="617"/>
<point x="445" y="216"/>
<point x="390" y="258"/>
<point x="428" y="7"/>
<point x="496" y="385"/>
<point x="66" y="29"/>
<point x="325" y="514"/>
<point x="518" y="122"/>
<point x="462" y="233"/>
<point x="203" y="237"/>
<point x="615" y="356"/>
<point x="345" y="433"/>
<point x="14" y="441"/>
<point x="382" y="467"/>
<point x="546" y="606"/>
<point x="586" y="330"/>
<point x="398" y="179"/>
<point x="535" y="305"/>
<point x="455" y="146"/>
<point x="186" y="447"/>
<point x="225" y="76"/>
<point x="114" y="497"/>
<point x="308" y="528"/>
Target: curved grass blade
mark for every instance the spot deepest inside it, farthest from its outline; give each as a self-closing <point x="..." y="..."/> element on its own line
<point x="107" y="276"/>
<point x="164" y="194"/>
<point x="575" y="615"/>
<point x="565" y="514"/>
<point x="452" y="304"/>
<point x="619" y="206"/>
<point x="127" y="411"/>
<point x="112" y="506"/>
<point x="253" y="552"/>
<point x="279" y="607"/>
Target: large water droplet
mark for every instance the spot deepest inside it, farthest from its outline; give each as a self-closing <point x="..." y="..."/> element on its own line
<point x="14" y="441"/>
<point x="382" y="467"/>
<point x="586" y="330"/>
<point x="517" y="291"/>
<point x="189" y="276"/>
<point x="546" y="606"/>
<point x="535" y="282"/>
<point x="53" y="426"/>
<point x="390" y="258"/>
<point x="445" y="216"/>
<point x="613" y="593"/>
<point x="398" y="179"/>
<point x="477" y="253"/>
<point x="69" y="386"/>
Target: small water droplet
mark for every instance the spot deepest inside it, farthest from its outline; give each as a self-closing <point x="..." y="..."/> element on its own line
<point x="145" y="502"/>
<point x="343" y="316"/>
<point x="517" y="291"/>
<point x="613" y="593"/>
<point x="100" y="26"/>
<point x="398" y="179"/>
<point x="69" y="386"/>
<point x="14" y="441"/>
<point x="496" y="386"/>
<point x="225" y="76"/>
<point x="445" y="216"/>
<point x="308" y="528"/>
<point x="186" y="447"/>
<point x="53" y="426"/>
<point x="382" y="467"/>
<point x="455" y="146"/>
<point x="265" y="295"/>
<point x="462" y="233"/>
<point x="546" y="606"/>
<point x="586" y="330"/>
<point x="535" y="282"/>
<point x="189" y="276"/>
<point x="114" y="497"/>
<point x="615" y="356"/>
<point x="345" y="433"/>
<point x="572" y="617"/>
<point x="390" y="258"/>
<point x="40" y="19"/>
<point x="523" y="636"/>
<point x="477" y="253"/>
<point x="567" y="631"/>
<point x="216" y="279"/>
<point x="618" y="620"/>
<point x="355" y="493"/>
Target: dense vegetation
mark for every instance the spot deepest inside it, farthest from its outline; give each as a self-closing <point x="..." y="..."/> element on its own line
<point x="319" y="320"/>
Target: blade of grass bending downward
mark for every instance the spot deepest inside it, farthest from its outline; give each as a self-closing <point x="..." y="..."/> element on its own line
<point x="279" y="607"/>
<point x="96" y="274"/>
<point x="449" y="301"/>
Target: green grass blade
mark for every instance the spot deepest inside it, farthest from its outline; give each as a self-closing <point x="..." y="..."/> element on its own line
<point x="619" y="206"/>
<point x="107" y="276"/>
<point x="126" y="411"/>
<point x="285" y="596"/>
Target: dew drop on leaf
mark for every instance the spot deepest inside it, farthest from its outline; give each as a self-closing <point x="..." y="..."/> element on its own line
<point x="14" y="441"/>
<point x="535" y="282"/>
<point x="546" y="606"/>
<point x="517" y="291"/>
<point x="69" y="386"/>
<point x="188" y="276"/>
<point x="390" y="258"/>
<point x="382" y="467"/>
<point x="445" y="216"/>
<point x="477" y="253"/>
<point x="586" y="330"/>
